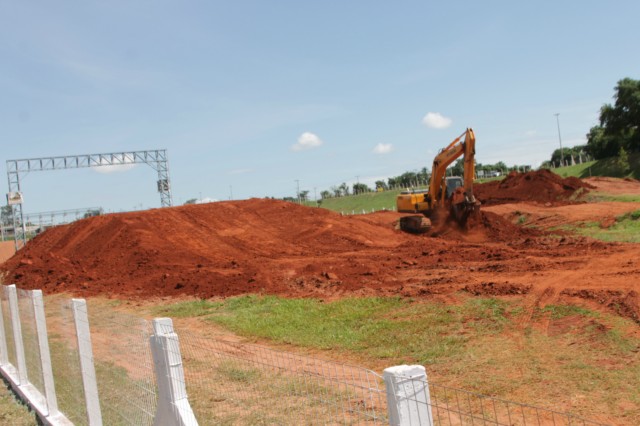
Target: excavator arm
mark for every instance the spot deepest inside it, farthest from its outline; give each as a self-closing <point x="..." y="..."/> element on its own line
<point x="460" y="202"/>
<point x="453" y="151"/>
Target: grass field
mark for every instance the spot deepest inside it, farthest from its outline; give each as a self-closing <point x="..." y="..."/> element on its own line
<point x="625" y="229"/>
<point x="477" y="344"/>
<point x="13" y="412"/>
<point x="604" y="167"/>
<point x="356" y="203"/>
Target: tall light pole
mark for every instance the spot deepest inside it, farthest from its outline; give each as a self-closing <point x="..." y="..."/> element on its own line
<point x="298" y="191"/>
<point x="560" y="139"/>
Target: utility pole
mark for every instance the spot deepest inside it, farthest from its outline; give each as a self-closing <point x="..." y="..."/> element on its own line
<point x="315" y="197"/>
<point x="298" y="191"/>
<point x="560" y="139"/>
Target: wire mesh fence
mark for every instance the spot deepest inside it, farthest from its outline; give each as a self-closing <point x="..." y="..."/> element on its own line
<point x="123" y="365"/>
<point x="447" y="406"/>
<point x="232" y="383"/>
<point x="110" y="375"/>
<point x="30" y="339"/>
<point x="8" y="327"/>
<point x="65" y="360"/>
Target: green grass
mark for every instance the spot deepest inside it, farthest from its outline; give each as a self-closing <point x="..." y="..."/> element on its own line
<point x="12" y="411"/>
<point x="601" y="196"/>
<point x="625" y="229"/>
<point x="478" y="344"/>
<point x="377" y="327"/>
<point x="356" y="203"/>
<point x="579" y="170"/>
<point x="603" y="167"/>
<point x="562" y="311"/>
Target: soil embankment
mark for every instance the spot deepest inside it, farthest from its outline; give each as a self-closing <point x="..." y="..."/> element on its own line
<point x="270" y="246"/>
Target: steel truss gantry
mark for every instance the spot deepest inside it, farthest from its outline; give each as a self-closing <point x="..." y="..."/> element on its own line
<point x="157" y="159"/>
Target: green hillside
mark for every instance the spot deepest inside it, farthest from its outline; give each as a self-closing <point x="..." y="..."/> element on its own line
<point x="604" y="167"/>
<point x="357" y="203"/>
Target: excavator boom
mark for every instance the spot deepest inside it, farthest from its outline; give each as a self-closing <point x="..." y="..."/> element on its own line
<point x="445" y="193"/>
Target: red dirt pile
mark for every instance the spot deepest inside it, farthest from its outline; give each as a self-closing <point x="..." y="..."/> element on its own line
<point x="541" y="186"/>
<point x="220" y="249"/>
<point x="269" y="246"/>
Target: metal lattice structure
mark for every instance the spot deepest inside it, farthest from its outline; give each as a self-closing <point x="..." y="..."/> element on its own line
<point x="157" y="159"/>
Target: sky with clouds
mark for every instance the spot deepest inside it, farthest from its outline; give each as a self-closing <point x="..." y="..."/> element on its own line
<point x="249" y="97"/>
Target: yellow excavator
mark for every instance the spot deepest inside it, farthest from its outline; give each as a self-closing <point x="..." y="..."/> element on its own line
<point x="448" y="198"/>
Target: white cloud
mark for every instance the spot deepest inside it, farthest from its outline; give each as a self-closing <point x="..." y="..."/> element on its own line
<point x="383" y="148"/>
<point x="306" y="140"/>
<point x="435" y="120"/>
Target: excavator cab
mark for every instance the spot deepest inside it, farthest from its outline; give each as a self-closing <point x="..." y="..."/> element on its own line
<point x="453" y="182"/>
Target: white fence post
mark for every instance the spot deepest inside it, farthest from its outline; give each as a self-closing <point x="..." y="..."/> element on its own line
<point x="173" y="405"/>
<point x="4" y="352"/>
<point x="17" y="334"/>
<point x="81" y="319"/>
<point x="408" y="399"/>
<point x="45" y="355"/>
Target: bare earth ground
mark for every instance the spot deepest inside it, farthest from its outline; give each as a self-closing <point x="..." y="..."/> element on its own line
<point x="7" y="249"/>
<point x="267" y="246"/>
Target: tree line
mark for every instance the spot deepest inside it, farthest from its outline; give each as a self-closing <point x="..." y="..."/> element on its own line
<point x="409" y="179"/>
<point x="619" y="130"/>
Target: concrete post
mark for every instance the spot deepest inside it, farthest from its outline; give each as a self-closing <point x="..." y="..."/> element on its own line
<point x="173" y="405"/>
<point x="45" y="354"/>
<point x="89" y="383"/>
<point x="408" y="399"/>
<point x="12" y="295"/>
<point x="4" y="352"/>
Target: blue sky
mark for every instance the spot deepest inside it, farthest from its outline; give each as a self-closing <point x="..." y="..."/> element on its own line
<point x="230" y="89"/>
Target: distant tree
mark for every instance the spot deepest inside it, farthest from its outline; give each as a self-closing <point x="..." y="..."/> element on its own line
<point x="360" y="188"/>
<point x="423" y="176"/>
<point x="344" y="189"/>
<point x="408" y="179"/>
<point x="337" y="192"/>
<point x="501" y="167"/>
<point x="381" y="185"/>
<point x="619" y="123"/>
<point x="568" y="155"/>
<point x="458" y="168"/>
<point x="92" y="213"/>
<point x="622" y="162"/>
<point x="325" y="194"/>
<point x="190" y="201"/>
<point x="304" y="196"/>
<point x="6" y="215"/>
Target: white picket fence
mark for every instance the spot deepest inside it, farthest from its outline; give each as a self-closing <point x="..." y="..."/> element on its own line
<point x="124" y="370"/>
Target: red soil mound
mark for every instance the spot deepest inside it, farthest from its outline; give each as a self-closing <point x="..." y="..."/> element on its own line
<point x="541" y="186"/>
<point x="7" y="249"/>
<point x="268" y="246"/>
<point x="220" y="248"/>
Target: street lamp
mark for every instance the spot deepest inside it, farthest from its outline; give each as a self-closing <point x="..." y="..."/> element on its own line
<point x="560" y="139"/>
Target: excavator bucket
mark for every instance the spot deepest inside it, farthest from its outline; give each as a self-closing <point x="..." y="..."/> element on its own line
<point x="463" y="206"/>
<point x="416" y="224"/>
